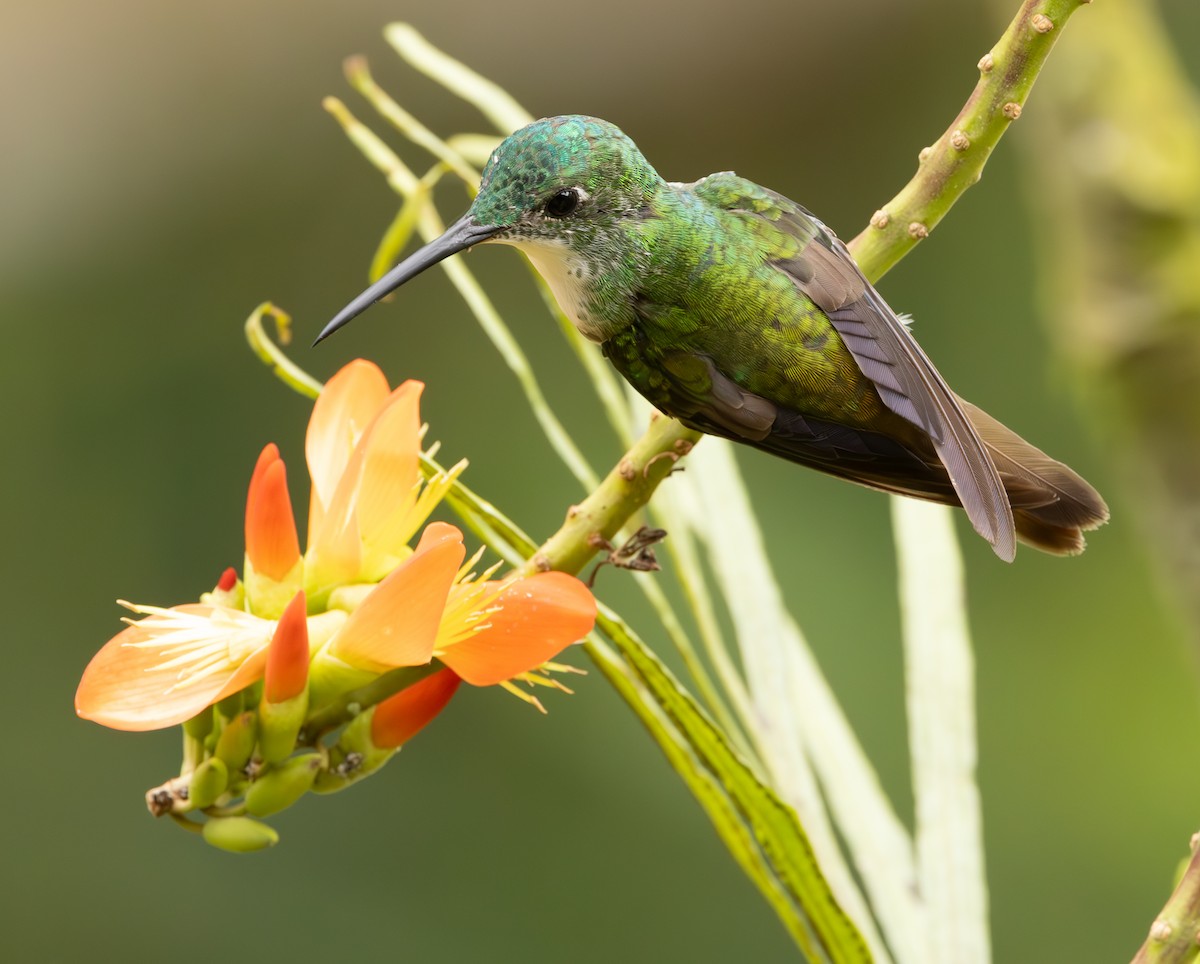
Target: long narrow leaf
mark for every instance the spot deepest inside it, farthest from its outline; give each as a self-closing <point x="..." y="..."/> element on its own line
<point x="726" y="819"/>
<point x="940" y="669"/>
<point x="796" y="713"/>
<point x="775" y="824"/>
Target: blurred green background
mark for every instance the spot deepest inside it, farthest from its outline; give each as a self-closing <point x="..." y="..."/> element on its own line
<point x="167" y="166"/>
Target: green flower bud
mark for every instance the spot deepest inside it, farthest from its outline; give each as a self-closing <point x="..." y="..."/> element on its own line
<point x="329" y="677"/>
<point x="237" y="739"/>
<point x="200" y="725"/>
<point x="278" y="726"/>
<point x="353" y="757"/>
<point x="280" y="787"/>
<point x="208" y="782"/>
<point x="239" y="835"/>
<point x="229" y="707"/>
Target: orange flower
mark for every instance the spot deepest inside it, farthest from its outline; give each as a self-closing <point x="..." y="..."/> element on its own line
<point x="167" y="667"/>
<point x="487" y="632"/>
<point x="368" y="498"/>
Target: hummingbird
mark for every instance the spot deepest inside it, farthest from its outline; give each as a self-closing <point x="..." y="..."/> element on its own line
<point x="734" y="310"/>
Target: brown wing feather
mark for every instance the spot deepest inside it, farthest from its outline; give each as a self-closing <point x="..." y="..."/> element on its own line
<point x="906" y="380"/>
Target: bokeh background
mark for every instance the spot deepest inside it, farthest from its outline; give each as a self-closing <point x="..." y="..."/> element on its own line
<point x="167" y="166"/>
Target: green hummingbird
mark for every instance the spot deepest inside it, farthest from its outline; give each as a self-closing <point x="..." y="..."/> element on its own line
<point x="736" y="311"/>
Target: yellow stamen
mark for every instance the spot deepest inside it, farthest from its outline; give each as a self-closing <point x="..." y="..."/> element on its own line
<point x="522" y="695"/>
<point x="533" y="679"/>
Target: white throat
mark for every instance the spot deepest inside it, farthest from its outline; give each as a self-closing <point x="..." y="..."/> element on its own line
<point x="567" y="274"/>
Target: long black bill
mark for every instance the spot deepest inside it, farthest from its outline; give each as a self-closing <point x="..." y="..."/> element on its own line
<point x="460" y="235"/>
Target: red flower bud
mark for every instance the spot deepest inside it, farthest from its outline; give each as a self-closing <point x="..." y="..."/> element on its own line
<point x="401" y="717"/>
<point x="287" y="658"/>
<point x="271" y="540"/>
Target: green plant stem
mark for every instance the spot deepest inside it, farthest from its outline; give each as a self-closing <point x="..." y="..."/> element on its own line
<point x="349" y="705"/>
<point x="272" y="356"/>
<point x="623" y="491"/>
<point x="1174" y="937"/>
<point x="955" y="160"/>
<point x="361" y="80"/>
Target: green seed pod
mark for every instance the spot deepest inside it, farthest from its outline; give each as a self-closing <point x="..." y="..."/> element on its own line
<point x="239" y="835"/>
<point x="208" y="782"/>
<point x="280" y="787"/>
<point x="236" y="742"/>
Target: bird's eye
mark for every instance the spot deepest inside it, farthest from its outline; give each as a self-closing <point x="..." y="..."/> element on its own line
<point x="563" y="203"/>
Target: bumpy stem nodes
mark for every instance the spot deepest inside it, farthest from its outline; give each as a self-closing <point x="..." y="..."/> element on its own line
<point x="1174" y="937"/>
<point x="626" y="489"/>
<point x="955" y="161"/>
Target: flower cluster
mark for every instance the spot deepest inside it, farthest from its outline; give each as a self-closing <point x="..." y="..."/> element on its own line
<point x="261" y="661"/>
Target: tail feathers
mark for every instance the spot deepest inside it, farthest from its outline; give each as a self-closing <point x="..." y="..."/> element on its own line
<point x="1052" y="505"/>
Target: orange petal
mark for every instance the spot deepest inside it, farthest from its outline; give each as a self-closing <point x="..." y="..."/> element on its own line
<point x="401" y="717"/>
<point x="130" y="688"/>
<point x="271" y="540"/>
<point x="344" y="409"/>
<point x="266" y="457"/>
<point x="390" y="466"/>
<point x="397" y="624"/>
<point x="542" y="615"/>
<point x="286" y="672"/>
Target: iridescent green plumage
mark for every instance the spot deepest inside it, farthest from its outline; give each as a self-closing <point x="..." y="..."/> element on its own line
<point x="736" y="311"/>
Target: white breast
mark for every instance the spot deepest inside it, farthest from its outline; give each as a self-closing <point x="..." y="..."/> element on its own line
<point x="566" y="274"/>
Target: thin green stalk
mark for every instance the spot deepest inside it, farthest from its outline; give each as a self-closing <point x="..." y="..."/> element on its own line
<point x="281" y="366"/>
<point x="404" y="224"/>
<point x="501" y="527"/>
<point x="741" y="723"/>
<point x="496" y="103"/>
<point x="361" y="80"/>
